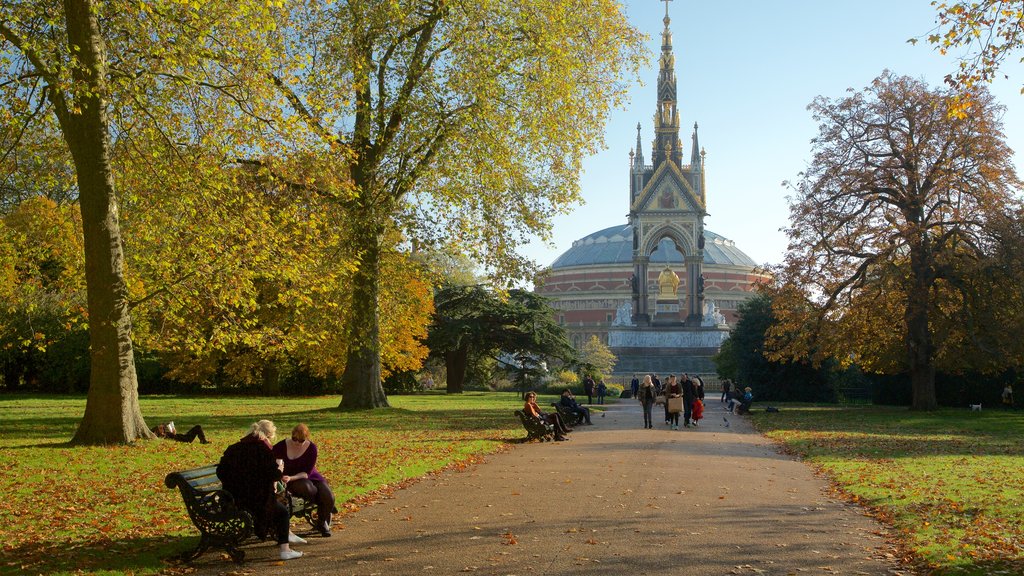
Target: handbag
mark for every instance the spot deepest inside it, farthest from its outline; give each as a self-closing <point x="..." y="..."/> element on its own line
<point x="675" y="405"/>
<point x="659" y="399"/>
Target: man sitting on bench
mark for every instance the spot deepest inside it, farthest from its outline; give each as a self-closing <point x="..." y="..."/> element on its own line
<point x="569" y="401"/>
<point x="745" y="401"/>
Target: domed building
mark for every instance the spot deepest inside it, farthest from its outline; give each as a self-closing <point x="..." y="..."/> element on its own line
<point x="590" y="281"/>
<point x="693" y="279"/>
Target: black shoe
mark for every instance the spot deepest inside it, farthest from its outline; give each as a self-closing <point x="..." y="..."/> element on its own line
<point x="562" y="439"/>
<point x="324" y="531"/>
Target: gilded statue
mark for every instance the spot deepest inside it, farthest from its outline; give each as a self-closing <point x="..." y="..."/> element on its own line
<point x="668" y="283"/>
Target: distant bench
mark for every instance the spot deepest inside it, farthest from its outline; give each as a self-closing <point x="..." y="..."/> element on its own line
<point x="535" y="427"/>
<point x="569" y="416"/>
<point x="212" y="510"/>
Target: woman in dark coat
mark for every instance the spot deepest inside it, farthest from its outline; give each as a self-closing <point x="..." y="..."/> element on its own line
<point x="689" y="395"/>
<point x="249" y="472"/>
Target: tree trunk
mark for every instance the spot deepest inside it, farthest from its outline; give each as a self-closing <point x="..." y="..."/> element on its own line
<point x="920" y="349"/>
<point x="360" y="384"/>
<point x="112" y="413"/>
<point x="455" y="365"/>
<point x="271" y="379"/>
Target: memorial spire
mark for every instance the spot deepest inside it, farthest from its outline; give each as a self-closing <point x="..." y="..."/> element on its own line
<point x="666" y="117"/>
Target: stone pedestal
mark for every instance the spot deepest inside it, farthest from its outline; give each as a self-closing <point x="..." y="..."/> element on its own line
<point x="665" y="349"/>
<point x="666" y="311"/>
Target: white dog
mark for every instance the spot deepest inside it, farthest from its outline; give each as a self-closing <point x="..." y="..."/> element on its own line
<point x="975" y="407"/>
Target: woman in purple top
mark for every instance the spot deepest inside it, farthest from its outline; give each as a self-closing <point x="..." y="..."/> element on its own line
<point x="302" y="477"/>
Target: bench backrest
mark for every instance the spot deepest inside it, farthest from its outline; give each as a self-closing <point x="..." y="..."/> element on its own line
<point x="195" y="482"/>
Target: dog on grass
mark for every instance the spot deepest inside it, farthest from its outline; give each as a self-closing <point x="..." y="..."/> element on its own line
<point x="975" y="407"/>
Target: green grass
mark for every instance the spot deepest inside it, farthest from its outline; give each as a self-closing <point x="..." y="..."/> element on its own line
<point x="105" y="510"/>
<point x="949" y="482"/>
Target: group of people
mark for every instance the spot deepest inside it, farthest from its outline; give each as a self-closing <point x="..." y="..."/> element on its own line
<point x="738" y="401"/>
<point x="560" y="428"/>
<point x="260" y="474"/>
<point x="682" y="395"/>
<point x="590" y="388"/>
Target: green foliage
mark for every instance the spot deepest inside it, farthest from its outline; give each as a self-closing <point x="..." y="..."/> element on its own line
<point x="90" y="516"/>
<point x="949" y="482"/>
<point x="473" y="322"/>
<point x="726" y="360"/>
<point x="772" y="379"/>
<point x="595" y="358"/>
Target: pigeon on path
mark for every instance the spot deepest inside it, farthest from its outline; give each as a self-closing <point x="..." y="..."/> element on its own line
<point x="726" y="425"/>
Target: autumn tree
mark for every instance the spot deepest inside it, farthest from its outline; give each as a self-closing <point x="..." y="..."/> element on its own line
<point x="990" y="30"/>
<point x="89" y="71"/>
<point x="742" y="359"/>
<point x="893" y="228"/>
<point x="466" y="124"/>
<point x="596" y="358"/>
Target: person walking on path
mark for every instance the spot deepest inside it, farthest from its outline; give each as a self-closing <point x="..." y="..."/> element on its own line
<point x="726" y="388"/>
<point x="588" y="389"/>
<point x="601" y="391"/>
<point x="634" y="386"/>
<point x="646" y="394"/>
<point x="670" y="384"/>
<point x="689" y="395"/>
<point x="672" y="390"/>
<point x="1008" y="396"/>
<point x="656" y="382"/>
<point x="698" y="410"/>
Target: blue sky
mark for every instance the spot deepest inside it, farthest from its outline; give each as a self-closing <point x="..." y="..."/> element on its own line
<point x="746" y="71"/>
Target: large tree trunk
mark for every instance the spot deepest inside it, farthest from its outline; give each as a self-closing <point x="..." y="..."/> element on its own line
<point x="920" y="348"/>
<point x="112" y="413"/>
<point x="360" y="384"/>
<point x="455" y="366"/>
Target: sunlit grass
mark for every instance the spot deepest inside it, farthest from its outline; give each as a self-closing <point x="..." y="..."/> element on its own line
<point x="106" y="508"/>
<point x="949" y="482"/>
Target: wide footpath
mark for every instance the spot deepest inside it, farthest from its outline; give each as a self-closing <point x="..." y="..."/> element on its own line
<point x="616" y="499"/>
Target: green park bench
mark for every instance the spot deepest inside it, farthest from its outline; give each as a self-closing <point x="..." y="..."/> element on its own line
<point x="212" y="510"/>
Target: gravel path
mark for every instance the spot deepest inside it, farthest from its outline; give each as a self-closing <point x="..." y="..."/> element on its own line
<point x="616" y="499"/>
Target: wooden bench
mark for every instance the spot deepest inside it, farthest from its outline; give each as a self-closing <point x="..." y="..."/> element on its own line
<point x="535" y="428"/>
<point x="212" y="510"/>
<point x="569" y="417"/>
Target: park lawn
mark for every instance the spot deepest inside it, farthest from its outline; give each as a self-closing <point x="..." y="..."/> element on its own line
<point x="948" y="482"/>
<point x="105" y="510"/>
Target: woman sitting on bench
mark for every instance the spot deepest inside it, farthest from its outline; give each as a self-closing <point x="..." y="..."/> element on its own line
<point x="248" y="471"/>
<point x="532" y="410"/>
<point x="302" y="477"/>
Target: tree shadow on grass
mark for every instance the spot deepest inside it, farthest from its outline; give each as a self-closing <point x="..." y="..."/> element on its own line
<point x="229" y="427"/>
<point x="128" y="555"/>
